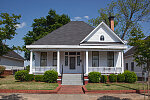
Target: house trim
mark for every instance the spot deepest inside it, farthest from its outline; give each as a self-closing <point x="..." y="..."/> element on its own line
<point x="97" y="28"/>
<point x="12" y="58"/>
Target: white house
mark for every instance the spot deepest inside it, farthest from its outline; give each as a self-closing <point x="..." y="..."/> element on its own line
<point x="12" y="60"/>
<point x="79" y="47"/>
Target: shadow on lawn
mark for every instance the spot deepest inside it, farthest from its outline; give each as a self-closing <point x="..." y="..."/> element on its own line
<point x="111" y="98"/>
<point x="12" y="97"/>
<point x="2" y="76"/>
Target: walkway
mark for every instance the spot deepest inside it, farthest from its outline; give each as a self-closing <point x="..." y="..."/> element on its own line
<point x="70" y="89"/>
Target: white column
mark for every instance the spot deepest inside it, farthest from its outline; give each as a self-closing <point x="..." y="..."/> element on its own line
<point x="86" y="60"/>
<point x="122" y="63"/>
<point x="31" y="60"/>
<point x="58" y="61"/>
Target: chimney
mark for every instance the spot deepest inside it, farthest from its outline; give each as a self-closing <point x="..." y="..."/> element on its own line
<point x="111" y="20"/>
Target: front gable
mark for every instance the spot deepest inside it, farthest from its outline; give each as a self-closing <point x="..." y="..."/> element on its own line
<point x="102" y="30"/>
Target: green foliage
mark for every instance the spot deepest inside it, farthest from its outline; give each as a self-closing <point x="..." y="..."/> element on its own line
<point x="29" y="77"/>
<point x="39" y="78"/>
<point x="94" y="77"/>
<point x="21" y="75"/>
<point x="120" y="78"/>
<point x="28" y="68"/>
<point x="8" y="25"/>
<point x="128" y="14"/>
<point x="42" y="26"/>
<point x="50" y="76"/>
<point x="103" y="78"/>
<point x="2" y="69"/>
<point x="130" y="77"/>
<point x="113" y="78"/>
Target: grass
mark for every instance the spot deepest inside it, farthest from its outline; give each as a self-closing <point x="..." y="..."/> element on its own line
<point x="9" y="82"/>
<point x="115" y="86"/>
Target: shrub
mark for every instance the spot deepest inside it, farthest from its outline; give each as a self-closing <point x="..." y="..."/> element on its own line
<point x="28" y="68"/>
<point x="29" y="77"/>
<point x="39" y="78"/>
<point x="103" y="78"/>
<point x="50" y="76"/>
<point x="94" y="77"/>
<point x="130" y="77"/>
<point x="21" y="75"/>
<point x="112" y="78"/>
<point x="120" y="78"/>
<point x="2" y="69"/>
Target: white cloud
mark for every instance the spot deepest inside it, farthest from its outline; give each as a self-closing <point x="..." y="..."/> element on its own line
<point x="20" y="25"/>
<point x="77" y="18"/>
<point x="87" y="17"/>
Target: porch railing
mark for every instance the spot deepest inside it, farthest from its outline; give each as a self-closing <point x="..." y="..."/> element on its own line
<point x="106" y="70"/>
<point x="43" y="68"/>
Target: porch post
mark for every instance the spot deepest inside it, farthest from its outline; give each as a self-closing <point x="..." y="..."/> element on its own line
<point x="86" y="55"/>
<point x="122" y="63"/>
<point x="58" y="61"/>
<point x="31" y="60"/>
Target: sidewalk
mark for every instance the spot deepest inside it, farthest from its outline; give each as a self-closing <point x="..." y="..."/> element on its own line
<point x="22" y="96"/>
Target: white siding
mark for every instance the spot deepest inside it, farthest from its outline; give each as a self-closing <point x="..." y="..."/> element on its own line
<point x="7" y="62"/>
<point x="137" y="69"/>
<point x="108" y="36"/>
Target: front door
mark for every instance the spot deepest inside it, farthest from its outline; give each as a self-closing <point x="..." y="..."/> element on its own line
<point x="72" y="63"/>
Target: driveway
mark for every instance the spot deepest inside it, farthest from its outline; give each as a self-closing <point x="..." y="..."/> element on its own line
<point x="22" y="96"/>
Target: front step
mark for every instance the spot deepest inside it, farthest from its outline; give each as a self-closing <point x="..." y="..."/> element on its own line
<point x="72" y="79"/>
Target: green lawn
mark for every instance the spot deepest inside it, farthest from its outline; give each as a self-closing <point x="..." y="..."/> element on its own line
<point x="9" y="82"/>
<point x="115" y="86"/>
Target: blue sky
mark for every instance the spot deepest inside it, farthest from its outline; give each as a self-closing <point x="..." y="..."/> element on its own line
<point x="31" y="9"/>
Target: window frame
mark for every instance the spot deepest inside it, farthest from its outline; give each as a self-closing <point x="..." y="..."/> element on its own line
<point x="95" y="59"/>
<point x="108" y="59"/>
<point x="44" y="59"/>
<point x="102" y="38"/>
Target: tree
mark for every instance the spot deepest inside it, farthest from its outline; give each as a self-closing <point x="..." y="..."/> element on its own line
<point x="42" y="26"/>
<point x="8" y="25"/>
<point x="128" y="14"/>
<point x="142" y="51"/>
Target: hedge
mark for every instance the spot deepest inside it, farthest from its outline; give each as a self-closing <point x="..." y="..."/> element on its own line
<point x="39" y="78"/>
<point x="130" y="77"/>
<point x="112" y="78"/>
<point x="103" y="78"/>
<point x="21" y="75"/>
<point x="94" y="77"/>
<point x="50" y="76"/>
<point x="120" y="78"/>
<point x="2" y="69"/>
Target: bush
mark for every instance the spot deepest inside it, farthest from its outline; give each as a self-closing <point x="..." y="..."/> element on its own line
<point x="120" y="78"/>
<point x="2" y="69"/>
<point x="21" y="75"/>
<point x="112" y="78"/>
<point x="103" y="78"/>
<point x="50" y="76"/>
<point x="29" y="77"/>
<point x="130" y="77"/>
<point x="28" y="68"/>
<point x="94" y="77"/>
<point x="39" y="78"/>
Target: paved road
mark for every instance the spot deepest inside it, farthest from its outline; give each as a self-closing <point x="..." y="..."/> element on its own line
<point x="22" y="96"/>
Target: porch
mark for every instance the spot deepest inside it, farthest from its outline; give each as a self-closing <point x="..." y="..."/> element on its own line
<point x="77" y="61"/>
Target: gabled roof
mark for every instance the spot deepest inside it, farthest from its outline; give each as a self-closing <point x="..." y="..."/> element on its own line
<point x="13" y="54"/>
<point x="70" y="34"/>
<point x="112" y="32"/>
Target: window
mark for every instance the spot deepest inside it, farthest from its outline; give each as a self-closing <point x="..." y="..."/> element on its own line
<point x="43" y="60"/>
<point x="66" y="60"/>
<point x="78" y="53"/>
<point x="54" y="58"/>
<point x="66" y="53"/>
<point x="126" y="66"/>
<point x="110" y="59"/>
<point x="102" y="38"/>
<point x="72" y="53"/>
<point x="132" y="66"/>
<point x="78" y="60"/>
<point x="95" y="59"/>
